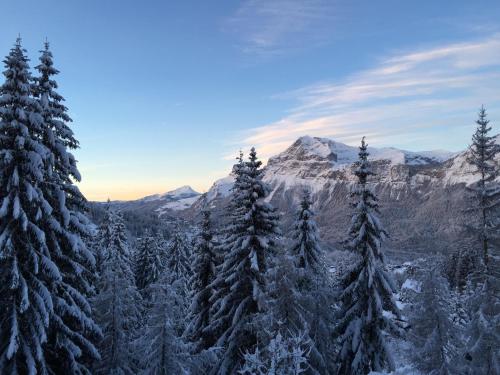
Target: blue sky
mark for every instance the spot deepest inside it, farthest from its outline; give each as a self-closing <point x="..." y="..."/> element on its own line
<point x="164" y="93"/>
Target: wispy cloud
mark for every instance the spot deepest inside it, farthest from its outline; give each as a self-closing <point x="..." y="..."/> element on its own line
<point x="421" y="93"/>
<point x="270" y="27"/>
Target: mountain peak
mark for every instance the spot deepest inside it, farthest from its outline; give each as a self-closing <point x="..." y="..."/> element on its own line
<point x="182" y="191"/>
<point x="340" y="154"/>
<point x="314" y="149"/>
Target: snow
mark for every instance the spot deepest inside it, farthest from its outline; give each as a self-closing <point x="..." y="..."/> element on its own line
<point x="178" y="199"/>
<point x="346" y="155"/>
<point x="310" y="162"/>
<point x="181" y="192"/>
<point x="176" y="194"/>
<point x="460" y="171"/>
<point x="412" y="284"/>
<point x="221" y="188"/>
<point x="314" y="162"/>
<point x="177" y="205"/>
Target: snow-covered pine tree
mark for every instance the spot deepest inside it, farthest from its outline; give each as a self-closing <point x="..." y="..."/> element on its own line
<point x="434" y="336"/>
<point x="482" y="352"/>
<point x="306" y="249"/>
<point x="117" y="305"/>
<point x="178" y="257"/>
<point x="219" y="285"/>
<point x="178" y="269"/>
<point x="148" y="262"/>
<point x="160" y="350"/>
<point x="285" y="305"/>
<point x="460" y="265"/>
<point x="367" y="295"/>
<point x="70" y="348"/>
<point x="203" y="269"/>
<point x="101" y="239"/>
<point x="319" y="304"/>
<point x="291" y="313"/>
<point x="313" y="287"/>
<point x="481" y="155"/>
<point x="249" y="244"/>
<point x="283" y="356"/>
<point x="27" y="271"/>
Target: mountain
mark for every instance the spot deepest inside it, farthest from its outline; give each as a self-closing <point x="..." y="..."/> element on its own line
<point x="158" y="213"/>
<point x="161" y="204"/>
<point x="178" y="199"/>
<point x="313" y="162"/>
<point x="180" y="193"/>
<point x="423" y="195"/>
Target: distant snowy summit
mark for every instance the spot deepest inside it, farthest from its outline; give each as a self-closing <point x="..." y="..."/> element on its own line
<point x="340" y="155"/>
<point x="314" y="162"/>
<point x="174" y="200"/>
<point x="308" y="154"/>
<point x="184" y="192"/>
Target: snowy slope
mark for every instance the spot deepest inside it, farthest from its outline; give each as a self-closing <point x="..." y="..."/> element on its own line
<point x="341" y="155"/>
<point x="169" y="202"/>
<point x="460" y="171"/>
<point x="221" y="188"/>
<point x="180" y="204"/>
<point x="179" y="193"/>
<point x="178" y="199"/>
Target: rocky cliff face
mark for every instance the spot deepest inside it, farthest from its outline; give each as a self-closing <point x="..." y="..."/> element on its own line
<point x="423" y="195"/>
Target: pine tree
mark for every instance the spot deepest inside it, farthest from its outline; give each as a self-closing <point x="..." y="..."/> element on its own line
<point x="312" y="284"/>
<point x="434" y="335"/>
<point x="160" y="351"/>
<point x="294" y="311"/>
<point x="305" y="248"/>
<point x="482" y="156"/>
<point x="117" y="305"/>
<point x="149" y="264"/>
<point x="482" y="332"/>
<point x="178" y="269"/>
<point x="203" y="268"/>
<point x="27" y="271"/>
<point x="248" y="247"/>
<point x="368" y="288"/>
<point x="482" y="352"/>
<point x="460" y="265"/>
<point x="220" y="286"/>
<point x="178" y="258"/>
<point x="70" y="348"/>
<point x="286" y="310"/>
<point x="283" y="356"/>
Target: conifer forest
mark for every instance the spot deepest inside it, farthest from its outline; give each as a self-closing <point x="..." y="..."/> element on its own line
<point x="327" y="258"/>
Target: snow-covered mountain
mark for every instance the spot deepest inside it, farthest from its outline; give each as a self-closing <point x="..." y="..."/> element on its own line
<point x="161" y="204"/>
<point x="313" y="162"/>
<point x="178" y="199"/>
<point x="422" y="194"/>
<point x="180" y="193"/>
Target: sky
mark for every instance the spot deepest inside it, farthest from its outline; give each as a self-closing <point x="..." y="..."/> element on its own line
<point x="164" y="93"/>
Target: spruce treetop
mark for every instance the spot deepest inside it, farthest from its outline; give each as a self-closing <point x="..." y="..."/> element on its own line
<point x="483" y="148"/>
<point x="368" y="289"/>
<point x="306" y="248"/>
